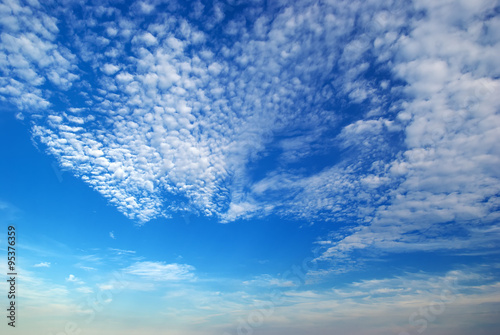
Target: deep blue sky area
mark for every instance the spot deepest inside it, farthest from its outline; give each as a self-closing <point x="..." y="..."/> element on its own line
<point x="251" y="167"/>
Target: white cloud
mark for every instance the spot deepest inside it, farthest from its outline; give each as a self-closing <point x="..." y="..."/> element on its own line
<point x="91" y="258"/>
<point x="269" y="281"/>
<point x="42" y="265"/>
<point x="42" y="295"/>
<point x="110" y="69"/>
<point x="87" y="268"/>
<point x="112" y="235"/>
<point x="122" y="252"/>
<point x="124" y="77"/>
<point x="146" y="38"/>
<point x="29" y="57"/>
<point x="450" y="125"/>
<point x="159" y="271"/>
<point x="374" y="306"/>
<point x="131" y="285"/>
<point x="174" y="90"/>
<point x="385" y="305"/>
<point x="72" y="279"/>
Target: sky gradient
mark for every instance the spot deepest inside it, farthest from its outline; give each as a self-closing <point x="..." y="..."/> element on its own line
<point x="251" y="167"/>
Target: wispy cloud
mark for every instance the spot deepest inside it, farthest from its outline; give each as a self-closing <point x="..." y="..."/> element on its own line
<point x="31" y="56"/>
<point x="42" y="265"/>
<point x="8" y="212"/>
<point x="121" y="251"/>
<point x="446" y="185"/>
<point x="87" y="268"/>
<point x="159" y="271"/>
<point x="374" y="306"/>
<point x="269" y="281"/>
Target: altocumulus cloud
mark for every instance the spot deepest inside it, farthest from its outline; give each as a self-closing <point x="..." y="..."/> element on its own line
<point x="161" y="111"/>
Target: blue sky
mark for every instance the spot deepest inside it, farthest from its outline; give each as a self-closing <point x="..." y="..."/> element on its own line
<point x="252" y="167"/>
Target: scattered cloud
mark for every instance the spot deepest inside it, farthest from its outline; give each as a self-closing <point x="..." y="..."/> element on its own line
<point x="31" y="57"/>
<point x="446" y="195"/>
<point x="373" y="306"/>
<point x="73" y="279"/>
<point x="87" y="268"/>
<point x="378" y="118"/>
<point x="159" y="271"/>
<point x="42" y="265"/>
<point x="91" y="259"/>
<point x="269" y="281"/>
<point x="121" y="251"/>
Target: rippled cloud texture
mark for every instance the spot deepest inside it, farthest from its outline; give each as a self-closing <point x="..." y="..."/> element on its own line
<point x="381" y="118"/>
<point x="381" y="114"/>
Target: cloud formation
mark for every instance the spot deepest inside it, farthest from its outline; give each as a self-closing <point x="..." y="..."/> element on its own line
<point x="159" y="271"/>
<point x="42" y="265"/>
<point x="381" y="117"/>
<point x="447" y="194"/>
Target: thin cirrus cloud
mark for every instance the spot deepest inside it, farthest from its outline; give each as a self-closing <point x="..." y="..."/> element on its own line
<point x="269" y="281"/>
<point x="371" y="306"/>
<point x="374" y="306"/>
<point x="42" y="265"/>
<point x="159" y="271"/>
<point x="167" y="118"/>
